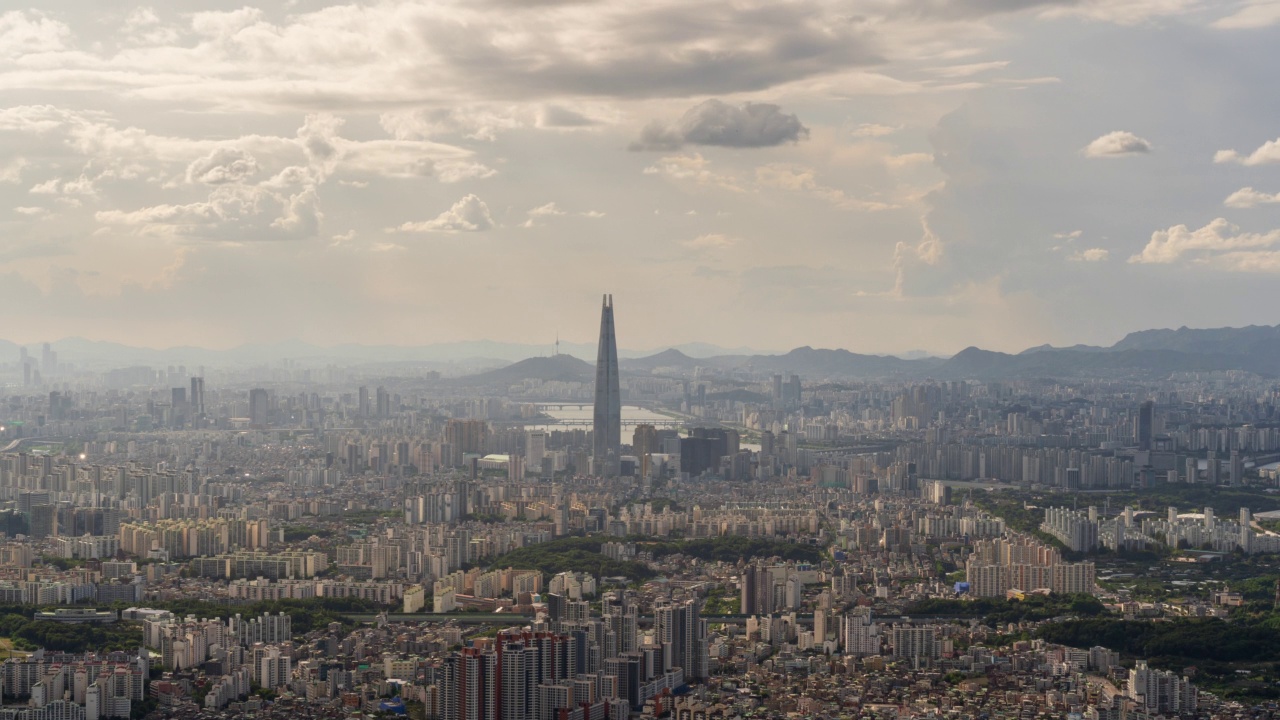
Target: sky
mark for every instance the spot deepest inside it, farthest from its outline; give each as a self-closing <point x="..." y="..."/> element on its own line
<point x="877" y="175"/>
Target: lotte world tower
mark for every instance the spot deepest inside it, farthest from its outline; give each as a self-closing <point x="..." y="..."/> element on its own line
<point x="607" y="418"/>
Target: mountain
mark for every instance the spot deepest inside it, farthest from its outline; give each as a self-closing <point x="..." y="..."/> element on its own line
<point x="835" y="363"/>
<point x="1049" y="348"/>
<point x="555" y="368"/>
<point x="1253" y="349"/>
<point x="1249" y="340"/>
<point x="973" y="363"/>
<point x="670" y="358"/>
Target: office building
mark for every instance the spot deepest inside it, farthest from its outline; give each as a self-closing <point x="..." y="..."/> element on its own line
<point x="1146" y="424"/>
<point x="259" y="407"/>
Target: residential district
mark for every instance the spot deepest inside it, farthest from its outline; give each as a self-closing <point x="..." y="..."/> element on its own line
<point x="651" y="540"/>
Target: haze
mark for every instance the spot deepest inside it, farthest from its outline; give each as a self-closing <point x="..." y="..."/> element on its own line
<point x="881" y="176"/>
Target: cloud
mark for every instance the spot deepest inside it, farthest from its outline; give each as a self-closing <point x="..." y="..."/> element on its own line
<point x="908" y="159"/>
<point x="1091" y="255"/>
<point x="1248" y="197"/>
<point x="872" y="130"/>
<point x="223" y="165"/>
<point x="1260" y="261"/>
<point x="1255" y="14"/>
<point x="1073" y="235"/>
<point x="232" y="213"/>
<point x="469" y="214"/>
<point x="804" y="180"/>
<point x="1117" y="143"/>
<point x="82" y="185"/>
<point x="558" y="116"/>
<point x="474" y="122"/>
<point x="1168" y="246"/>
<point x="928" y="251"/>
<point x="713" y="241"/>
<point x="11" y="172"/>
<point x="33" y="33"/>
<point x="694" y="168"/>
<point x="30" y="211"/>
<point x="714" y="122"/>
<point x="542" y="211"/>
<point x="1268" y="152"/>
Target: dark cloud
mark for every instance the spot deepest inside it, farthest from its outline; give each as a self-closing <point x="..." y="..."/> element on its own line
<point x="698" y="49"/>
<point x="715" y="122"/>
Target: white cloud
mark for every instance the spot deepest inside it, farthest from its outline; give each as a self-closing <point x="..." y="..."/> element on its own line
<point x="1091" y="255"/>
<point x="82" y="185"/>
<point x="928" y="251"/>
<point x="1168" y="246"/>
<point x="30" y="211"/>
<point x="712" y="241"/>
<point x="908" y="159"/>
<point x="223" y="165"/>
<point x="232" y="213"/>
<point x="469" y="214"/>
<point x="1268" y="152"/>
<point x="11" y="172"/>
<point x="475" y="122"/>
<point x="804" y="180"/>
<point x="542" y="211"/>
<point x="1073" y="235"/>
<point x="874" y="130"/>
<point x="1117" y="143"/>
<point x="694" y="168"/>
<point x="1258" y="261"/>
<point x="1248" y="197"/>
<point x="1255" y="14"/>
<point x="30" y="33"/>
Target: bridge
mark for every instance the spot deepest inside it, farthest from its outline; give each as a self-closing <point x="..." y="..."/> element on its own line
<point x="474" y="618"/>
<point x="583" y="422"/>
<point x="17" y="444"/>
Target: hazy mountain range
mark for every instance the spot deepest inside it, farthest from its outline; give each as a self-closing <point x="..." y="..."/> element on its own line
<point x="1254" y="349"/>
<point x="1150" y="352"/>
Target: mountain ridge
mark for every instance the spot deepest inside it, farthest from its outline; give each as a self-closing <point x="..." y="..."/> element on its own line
<point x="1254" y="349"/>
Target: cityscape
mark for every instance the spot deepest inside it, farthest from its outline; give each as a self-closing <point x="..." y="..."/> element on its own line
<point x="337" y="541"/>
<point x="662" y="360"/>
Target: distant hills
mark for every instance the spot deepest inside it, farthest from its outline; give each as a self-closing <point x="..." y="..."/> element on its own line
<point x="556" y="368"/>
<point x="1254" y="349"/>
<point x="451" y="358"/>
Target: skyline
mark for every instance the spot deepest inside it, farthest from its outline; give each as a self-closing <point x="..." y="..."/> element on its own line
<point x="500" y="349"/>
<point x="925" y="176"/>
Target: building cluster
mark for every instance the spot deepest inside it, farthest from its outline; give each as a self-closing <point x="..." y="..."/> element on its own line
<point x="1019" y="563"/>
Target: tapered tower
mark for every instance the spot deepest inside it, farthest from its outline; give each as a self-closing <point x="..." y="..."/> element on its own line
<point x="607" y="419"/>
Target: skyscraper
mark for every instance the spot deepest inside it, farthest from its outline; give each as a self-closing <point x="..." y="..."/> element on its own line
<point x="197" y="397"/>
<point x="680" y="627"/>
<point x="1146" y="422"/>
<point x="259" y="407"/>
<point x="607" y="418"/>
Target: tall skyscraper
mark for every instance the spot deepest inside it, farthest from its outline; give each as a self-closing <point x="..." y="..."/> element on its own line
<point x="259" y="407"/>
<point x="197" y="397"/>
<point x="1146" y="423"/>
<point x="680" y="627"/>
<point x="607" y="418"/>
